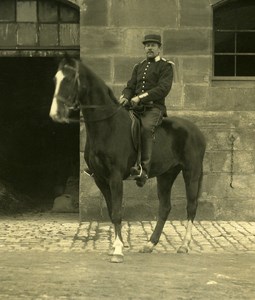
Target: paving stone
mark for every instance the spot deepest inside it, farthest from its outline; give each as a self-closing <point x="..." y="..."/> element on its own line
<point x="54" y="236"/>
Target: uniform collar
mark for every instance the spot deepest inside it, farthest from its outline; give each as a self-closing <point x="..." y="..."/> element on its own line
<point x="157" y="58"/>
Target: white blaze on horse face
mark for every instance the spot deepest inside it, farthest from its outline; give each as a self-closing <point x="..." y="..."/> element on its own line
<point x="54" y="106"/>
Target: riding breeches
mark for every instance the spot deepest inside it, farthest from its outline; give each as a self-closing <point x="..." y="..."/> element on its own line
<point x="150" y="119"/>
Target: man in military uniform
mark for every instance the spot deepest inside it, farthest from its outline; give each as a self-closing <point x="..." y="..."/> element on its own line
<point x="150" y="83"/>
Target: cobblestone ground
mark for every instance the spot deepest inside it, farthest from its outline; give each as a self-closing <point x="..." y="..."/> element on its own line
<point x="54" y="232"/>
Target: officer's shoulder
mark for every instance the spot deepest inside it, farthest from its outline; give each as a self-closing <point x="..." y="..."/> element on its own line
<point x="142" y="61"/>
<point x="139" y="63"/>
<point x="167" y="61"/>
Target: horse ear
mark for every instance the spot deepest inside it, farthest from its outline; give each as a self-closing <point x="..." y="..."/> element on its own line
<point x="67" y="57"/>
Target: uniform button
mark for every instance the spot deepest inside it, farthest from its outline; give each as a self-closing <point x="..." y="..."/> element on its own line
<point x="144" y="73"/>
<point x="143" y="81"/>
<point x="142" y="91"/>
<point x="143" y="77"/>
<point x="149" y="62"/>
<point x="146" y="69"/>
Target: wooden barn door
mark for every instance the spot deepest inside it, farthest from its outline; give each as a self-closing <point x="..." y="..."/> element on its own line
<point x="38" y="158"/>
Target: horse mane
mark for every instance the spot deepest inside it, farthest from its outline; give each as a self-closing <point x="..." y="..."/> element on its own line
<point x="100" y="83"/>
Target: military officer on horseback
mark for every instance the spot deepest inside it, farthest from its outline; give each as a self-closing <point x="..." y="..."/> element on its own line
<point x="150" y="83"/>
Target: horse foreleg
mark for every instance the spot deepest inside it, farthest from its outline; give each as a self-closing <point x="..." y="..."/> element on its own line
<point x="117" y="255"/>
<point x="116" y="186"/>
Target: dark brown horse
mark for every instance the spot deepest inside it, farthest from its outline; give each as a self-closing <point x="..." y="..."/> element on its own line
<point x="110" y="153"/>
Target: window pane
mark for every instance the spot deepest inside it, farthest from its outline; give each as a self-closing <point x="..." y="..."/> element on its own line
<point x="69" y="34"/>
<point x="27" y="34"/>
<point x="224" y="42"/>
<point x="26" y="11"/>
<point x="246" y="15"/>
<point x="8" y="35"/>
<point x="7" y="10"/>
<point x="48" y="34"/>
<point x="245" y="65"/>
<point x="224" y="65"/>
<point x="225" y="17"/>
<point x="245" y="42"/>
<point x="69" y="14"/>
<point x="48" y="11"/>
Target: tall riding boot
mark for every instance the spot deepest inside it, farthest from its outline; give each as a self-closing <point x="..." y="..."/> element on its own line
<point x="147" y="144"/>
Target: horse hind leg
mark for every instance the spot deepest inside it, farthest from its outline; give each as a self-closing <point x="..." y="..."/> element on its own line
<point x="193" y="185"/>
<point x="164" y="187"/>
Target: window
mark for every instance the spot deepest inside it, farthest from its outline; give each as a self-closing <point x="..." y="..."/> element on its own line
<point x="234" y="38"/>
<point x="29" y="24"/>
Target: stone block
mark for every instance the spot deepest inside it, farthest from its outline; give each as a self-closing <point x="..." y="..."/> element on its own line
<point x="220" y="99"/>
<point x="99" y="65"/>
<point x="207" y="162"/>
<point x="217" y="139"/>
<point x="186" y="42"/>
<point x="244" y="98"/>
<point x="123" y="67"/>
<point x="244" y="162"/>
<point x="244" y="139"/>
<point x="101" y="41"/>
<point x="117" y="89"/>
<point x="135" y="13"/>
<point x="174" y="98"/>
<point x="220" y="161"/>
<point x="96" y="13"/>
<point x="132" y="42"/>
<point x="195" y="97"/>
<point x="229" y="98"/>
<point x="195" y="13"/>
<point x="216" y="186"/>
<point x="197" y="69"/>
<point x="237" y="209"/>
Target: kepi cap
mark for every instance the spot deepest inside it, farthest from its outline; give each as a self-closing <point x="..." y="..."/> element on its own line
<point x="155" y="38"/>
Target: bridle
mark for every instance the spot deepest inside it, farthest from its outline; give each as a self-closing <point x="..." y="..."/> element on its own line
<point x="76" y="81"/>
<point x="76" y="103"/>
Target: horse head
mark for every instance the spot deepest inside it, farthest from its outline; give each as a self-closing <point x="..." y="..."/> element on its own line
<point x="67" y="89"/>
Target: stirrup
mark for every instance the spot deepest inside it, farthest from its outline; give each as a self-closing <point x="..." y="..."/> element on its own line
<point x="88" y="172"/>
<point x="136" y="171"/>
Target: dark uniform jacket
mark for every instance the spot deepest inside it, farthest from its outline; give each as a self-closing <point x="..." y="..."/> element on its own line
<point x="151" y="80"/>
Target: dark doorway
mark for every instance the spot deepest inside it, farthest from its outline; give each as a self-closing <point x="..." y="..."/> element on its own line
<point x="37" y="156"/>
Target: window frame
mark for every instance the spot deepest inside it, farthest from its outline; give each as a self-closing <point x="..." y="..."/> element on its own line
<point x="233" y="54"/>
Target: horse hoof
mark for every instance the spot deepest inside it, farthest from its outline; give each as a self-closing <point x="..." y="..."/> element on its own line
<point x="146" y="249"/>
<point x="117" y="259"/>
<point x="182" y="250"/>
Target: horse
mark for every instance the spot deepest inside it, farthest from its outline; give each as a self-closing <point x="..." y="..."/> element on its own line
<point x="110" y="152"/>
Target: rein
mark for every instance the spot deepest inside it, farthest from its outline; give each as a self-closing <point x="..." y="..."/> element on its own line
<point x="100" y="107"/>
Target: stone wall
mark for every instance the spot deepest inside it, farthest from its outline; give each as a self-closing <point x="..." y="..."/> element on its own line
<point x="110" y="39"/>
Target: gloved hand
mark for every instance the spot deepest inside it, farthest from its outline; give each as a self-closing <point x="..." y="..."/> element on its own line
<point x="135" y="100"/>
<point x="123" y="101"/>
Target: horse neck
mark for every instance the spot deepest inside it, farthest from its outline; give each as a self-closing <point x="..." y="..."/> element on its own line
<point x="99" y="106"/>
<point x="98" y="92"/>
